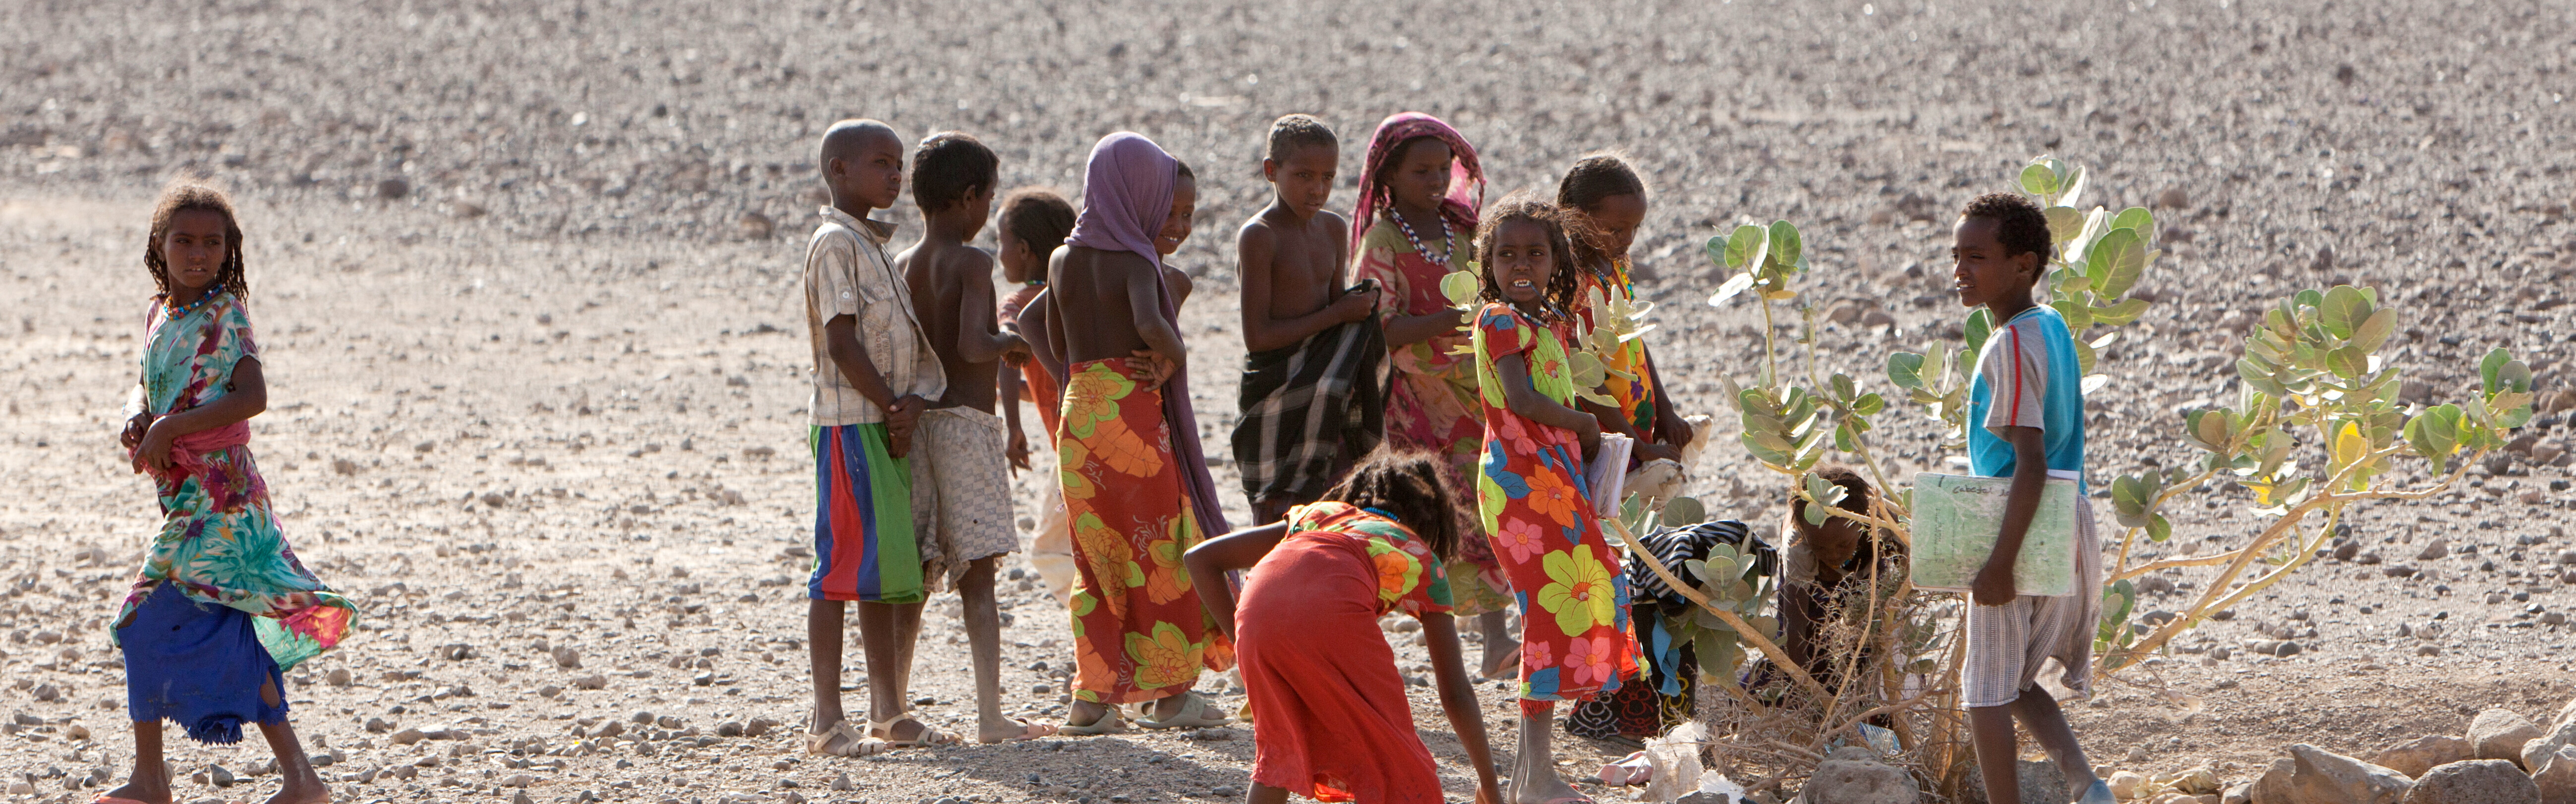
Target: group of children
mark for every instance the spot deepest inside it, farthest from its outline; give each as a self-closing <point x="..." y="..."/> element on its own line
<point x="1374" y="410"/>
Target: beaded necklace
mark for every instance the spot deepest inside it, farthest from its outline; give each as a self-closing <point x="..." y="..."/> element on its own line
<point x="177" y="312"/>
<point x="1449" y="246"/>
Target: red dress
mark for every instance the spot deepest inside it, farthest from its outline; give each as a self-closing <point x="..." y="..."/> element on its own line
<point x="1330" y="718"/>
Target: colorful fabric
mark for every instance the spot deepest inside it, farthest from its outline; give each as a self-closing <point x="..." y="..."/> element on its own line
<point x="1139" y="631"/>
<point x="1333" y="720"/>
<point x="1636" y="397"/>
<point x="199" y="666"/>
<point x="847" y="273"/>
<point x="219" y="541"/>
<point x="1309" y="411"/>
<point x="1531" y="497"/>
<point x="961" y="491"/>
<point x="1664" y="693"/>
<point x="1036" y="385"/>
<point x="1466" y="176"/>
<point x="1431" y="399"/>
<point x="2027" y="376"/>
<point x="864" y="546"/>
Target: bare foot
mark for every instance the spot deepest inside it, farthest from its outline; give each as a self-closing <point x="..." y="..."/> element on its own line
<point x="302" y="788"/>
<point x="138" y="788"/>
<point x="998" y="729"/>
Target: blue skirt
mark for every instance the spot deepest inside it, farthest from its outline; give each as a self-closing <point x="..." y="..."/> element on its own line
<point x="197" y="665"/>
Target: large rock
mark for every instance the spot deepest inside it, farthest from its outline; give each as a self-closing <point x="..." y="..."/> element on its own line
<point x="2538" y="748"/>
<point x="2499" y="734"/>
<point x="1848" y="781"/>
<point x="2421" y="754"/>
<point x="2555" y="774"/>
<point x="2040" y="782"/>
<point x="2477" y="781"/>
<point x="2314" y="775"/>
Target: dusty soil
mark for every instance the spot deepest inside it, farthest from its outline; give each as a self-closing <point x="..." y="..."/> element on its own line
<point x="525" y="278"/>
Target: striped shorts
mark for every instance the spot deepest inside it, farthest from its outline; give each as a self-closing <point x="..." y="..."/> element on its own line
<point x="2007" y="644"/>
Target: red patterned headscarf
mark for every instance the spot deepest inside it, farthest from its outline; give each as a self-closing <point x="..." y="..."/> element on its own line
<point x="1466" y="176"/>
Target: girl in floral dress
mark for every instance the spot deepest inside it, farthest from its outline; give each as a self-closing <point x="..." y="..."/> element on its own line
<point x="1530" y="491"/>
<point x="221" y="608"/>
<point x="1332" y="722"/>
<point x="1420" y="188"/>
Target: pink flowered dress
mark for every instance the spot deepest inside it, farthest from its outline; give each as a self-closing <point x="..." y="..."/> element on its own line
<point x="1431" y="403"/>
<point x="1531" y="496"/>
<point x="219" y="539"/>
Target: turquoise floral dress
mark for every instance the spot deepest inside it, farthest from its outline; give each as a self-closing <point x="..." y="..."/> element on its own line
<point x="1538" y="513"/>
<point x="219" y="543"/>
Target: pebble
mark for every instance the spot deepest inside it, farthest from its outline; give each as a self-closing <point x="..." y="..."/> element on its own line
<point x="219" y="776"/>
<point x="46" y="693"/>
<point x="567" y="658"/>
<point x="338" y="677"/>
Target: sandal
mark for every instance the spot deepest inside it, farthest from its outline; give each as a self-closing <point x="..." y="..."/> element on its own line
<point x="928" y="737"/>
<point x="854" y="744"/>
<point x="1028" y="731"/>
<point x="1109" y="722"/>
<point x="1194" y="714"/>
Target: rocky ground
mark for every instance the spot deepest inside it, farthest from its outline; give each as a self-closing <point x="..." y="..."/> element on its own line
<point x="525" y="275"/>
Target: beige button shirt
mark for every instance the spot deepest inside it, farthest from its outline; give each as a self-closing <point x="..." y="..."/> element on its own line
<point x="848" y="273"/>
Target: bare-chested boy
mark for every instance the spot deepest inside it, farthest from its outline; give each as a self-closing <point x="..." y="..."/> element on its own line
<point x="1314" y="386"/>
<point x="1133" y="483"/>
<point x="961" y="488"/>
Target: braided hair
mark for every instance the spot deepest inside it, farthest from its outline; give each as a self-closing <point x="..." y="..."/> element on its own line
<point x="184" y="196"/>
<point x="1409" y="484"/>
<point x="1563" y="228"/>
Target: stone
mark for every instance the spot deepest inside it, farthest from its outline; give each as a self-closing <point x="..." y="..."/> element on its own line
<point x="338" y="677"/>
<point x="408" y="736"/>
<point x="2555" y="774"/>
<point x="1844" y="781"/>
<point x="2481" y="781"/>
<point x="2437" y="549"/>
<point x="220" y="777"/>
<point x="2535" y="751"/>
<point x="590" y="682"/>
<point x="2238" y="793"/>
<point x="567" y="658"/>
<point x="2317" y="776"/>
<point x="2125" y="784"/>
<point x="2421" y="754"/>
<point x="2040" y="781"/>
<point x="2499" y="734"/>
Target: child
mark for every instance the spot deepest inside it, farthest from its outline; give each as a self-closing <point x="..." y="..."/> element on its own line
<point x="221" y="609"/>
<point x="1531" y="494"/>
<point x="1314" y="387"/>
<point x="873" y="372"/>
<point x="1134" y="483"/>
<point x="2026" y="397"/>
<point x="1334" y="721"/>
<point x="1034" y="221"/>
<point x="961" y="490"/>
<point x="1606" y="194"/>
<point x="1176" y="230"/>
<point x="1826" y="573"/>
<point x="1420" y="187"/>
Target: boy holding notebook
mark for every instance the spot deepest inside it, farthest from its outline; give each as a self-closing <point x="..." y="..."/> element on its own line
<point x="2026" y="422"/>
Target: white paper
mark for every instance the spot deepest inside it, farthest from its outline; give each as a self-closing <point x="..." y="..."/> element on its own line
<point x="1607" y="475"/>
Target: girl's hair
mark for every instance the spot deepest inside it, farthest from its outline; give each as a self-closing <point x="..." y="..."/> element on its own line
<point x="183" y="196"/>
<point x="948" y="167"/>
<point x="1037" y="216"/>
<point x="1563" y="228"/>
<point x="1593" y="178"/>
<point x="1856" y="490"/>
<point x="1409" y="484"/>
<point x="1181" y="171"/>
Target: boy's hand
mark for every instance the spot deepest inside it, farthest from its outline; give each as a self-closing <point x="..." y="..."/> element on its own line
<point x="1017" y="451"/>
<point x="898" y="444"/>
<point x="1356" y="306"/>
<point x="1994" y="585"/>
<point x="1671" y="428"/>
<point x="134" y="429"/>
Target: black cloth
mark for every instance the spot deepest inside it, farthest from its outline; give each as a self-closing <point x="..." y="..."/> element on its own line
<point x="1309" y="411"/>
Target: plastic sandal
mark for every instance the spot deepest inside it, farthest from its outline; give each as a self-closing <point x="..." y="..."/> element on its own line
<point x="928" y="737"/>
<point x="854" y="745"/>
<point x="1194" y="714"/>
<point x="1109" y="722"/>
<point x="2099" y="793"/>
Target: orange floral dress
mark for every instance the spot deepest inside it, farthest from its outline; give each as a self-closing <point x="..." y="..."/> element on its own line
<point x="1139" y="631"/>
<point x="1534" y="506"/>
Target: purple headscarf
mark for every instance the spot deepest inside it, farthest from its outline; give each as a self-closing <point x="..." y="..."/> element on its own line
<point x="1126" y="194"/>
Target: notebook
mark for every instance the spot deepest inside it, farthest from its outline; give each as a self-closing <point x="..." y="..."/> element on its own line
<point x="1607" y="475"/>
<point x="1956" y="520"/>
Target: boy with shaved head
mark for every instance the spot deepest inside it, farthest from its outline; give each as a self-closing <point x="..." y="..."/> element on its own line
<point x="873" y="372"/>
<point x="1314" y="385"/>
